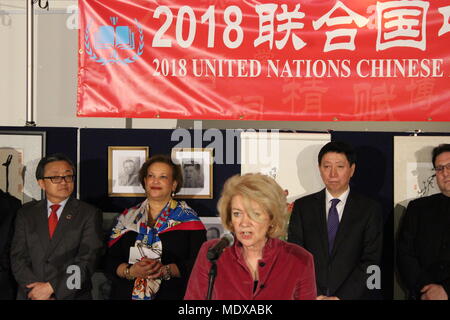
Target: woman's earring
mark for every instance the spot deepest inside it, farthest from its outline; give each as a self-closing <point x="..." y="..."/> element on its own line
<point x="173" y="194"/>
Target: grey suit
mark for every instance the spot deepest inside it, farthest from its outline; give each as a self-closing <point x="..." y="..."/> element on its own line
<point x="77" y="241"/>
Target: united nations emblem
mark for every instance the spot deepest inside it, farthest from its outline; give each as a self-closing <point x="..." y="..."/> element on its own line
<point x="117" y="40"/>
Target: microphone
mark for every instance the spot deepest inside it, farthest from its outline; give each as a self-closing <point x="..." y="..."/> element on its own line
<point x="216" y="250"/>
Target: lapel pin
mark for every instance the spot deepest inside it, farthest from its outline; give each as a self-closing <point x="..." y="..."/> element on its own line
<point x="69" y="216"/>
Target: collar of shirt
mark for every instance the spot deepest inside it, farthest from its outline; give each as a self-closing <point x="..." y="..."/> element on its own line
<point x="340" y="206"/>
<point x="60" y="210"/>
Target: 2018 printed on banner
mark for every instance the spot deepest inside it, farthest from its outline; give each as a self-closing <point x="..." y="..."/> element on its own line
<point x="284" y="60"/>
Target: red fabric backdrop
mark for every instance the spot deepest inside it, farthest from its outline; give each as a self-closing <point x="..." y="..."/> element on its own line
<point x="281" y="60"/>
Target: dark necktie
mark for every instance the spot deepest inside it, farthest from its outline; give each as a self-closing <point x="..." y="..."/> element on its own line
<point x="333" y="224"/>
<point x="53" y="219"/>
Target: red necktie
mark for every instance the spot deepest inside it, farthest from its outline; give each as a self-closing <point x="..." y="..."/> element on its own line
<point x="53" y="219"/>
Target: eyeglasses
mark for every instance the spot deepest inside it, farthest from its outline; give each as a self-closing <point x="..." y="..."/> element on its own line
<point x="59" y="179"/>
<point x="440" y="169"/>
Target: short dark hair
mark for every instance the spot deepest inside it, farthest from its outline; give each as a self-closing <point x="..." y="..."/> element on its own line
<point x="129" y="160"/>
<point x="196" y="165"/>
<point x="52" y="158"/>
<point x="177" y="174"/>
<point x="338" y="147"/>
<point x="445" y="147"/>
<point x="214" y="229"/>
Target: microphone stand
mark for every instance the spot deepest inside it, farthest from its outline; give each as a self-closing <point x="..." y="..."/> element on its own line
<point x="211" y="277"/>
<point x="213" y="256"/>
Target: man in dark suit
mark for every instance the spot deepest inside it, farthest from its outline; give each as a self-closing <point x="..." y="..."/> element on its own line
<point x="423" y="246"/>
<point x="8" y="209"/>
<point x="57" y="241"/>
<point x="342" y="229"/>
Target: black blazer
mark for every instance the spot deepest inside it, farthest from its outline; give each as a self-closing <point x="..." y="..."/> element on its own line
<point x="77" y="241"/>
<point x="8" y="209"/>
<point x="358" y="243"/>
<point x="423" y="244"/>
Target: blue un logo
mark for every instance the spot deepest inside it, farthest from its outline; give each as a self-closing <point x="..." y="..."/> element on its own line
<point x="114" y="38"/>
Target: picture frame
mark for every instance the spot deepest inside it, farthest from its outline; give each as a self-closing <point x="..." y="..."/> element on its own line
<point x="214" y="227"/>
<point x="197" y="167"/>
<point x="286" y="157"/>
<point x="26" y="148"/>
<point x="124" y="163"/>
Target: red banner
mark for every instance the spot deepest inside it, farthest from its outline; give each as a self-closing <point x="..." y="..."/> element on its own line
<point x="280" y="60"/>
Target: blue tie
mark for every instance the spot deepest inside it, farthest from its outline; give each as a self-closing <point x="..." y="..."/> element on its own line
<point x="333" y="223"/>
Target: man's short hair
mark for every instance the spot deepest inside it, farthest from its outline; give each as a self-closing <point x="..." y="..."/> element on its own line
<point x="338" y="147"/>
<point x="445" y="147"/>
<point x="52" y="158"/>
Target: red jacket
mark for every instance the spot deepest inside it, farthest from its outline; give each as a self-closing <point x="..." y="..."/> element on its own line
<point x="286" y="272"/>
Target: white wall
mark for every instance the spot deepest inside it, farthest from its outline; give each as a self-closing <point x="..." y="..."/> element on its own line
<point x="56" y="49"/>
<point x="12" y="64"/>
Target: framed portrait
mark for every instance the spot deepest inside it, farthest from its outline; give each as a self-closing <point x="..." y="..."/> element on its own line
<point x="123" y="171"/>
<point x="196" y="164"/>
<point x="214" y="227"/>
<point x="20" y="153"/>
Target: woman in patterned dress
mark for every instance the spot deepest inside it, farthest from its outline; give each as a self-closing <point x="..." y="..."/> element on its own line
<point x="153" y="246"/>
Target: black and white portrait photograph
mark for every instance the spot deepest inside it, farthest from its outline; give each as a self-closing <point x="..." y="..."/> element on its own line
<point x="123" y="171"/>
<point x="196" y="164"/>
<point x="129" y="175"/>
<point x="192" y="174"/>
<point x="214" y="228"/>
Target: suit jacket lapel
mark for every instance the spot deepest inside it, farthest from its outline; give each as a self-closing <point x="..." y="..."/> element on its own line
<point x="64" y="223"/>
<point x="350" y="210"/>
<point x="322" y="220"/>
<point x="41" y="223"/>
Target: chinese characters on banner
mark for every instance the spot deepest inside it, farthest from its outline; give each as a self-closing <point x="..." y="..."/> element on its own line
<point x="281" y="60"/>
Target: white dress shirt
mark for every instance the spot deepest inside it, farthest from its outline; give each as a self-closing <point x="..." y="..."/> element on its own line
<point x="60" y="209"/>
<point x="340" y="206"/>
